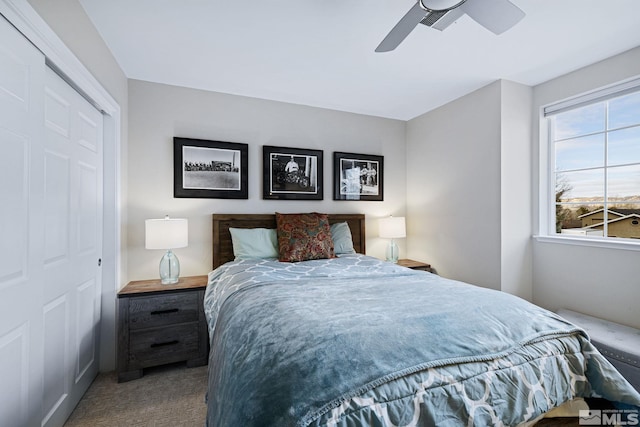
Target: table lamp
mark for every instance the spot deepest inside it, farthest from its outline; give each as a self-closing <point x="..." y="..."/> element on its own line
<point x="167" y="233"/>
<point x="392" y="227"/>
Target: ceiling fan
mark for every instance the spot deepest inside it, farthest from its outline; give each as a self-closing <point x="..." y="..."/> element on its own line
<point x="495" y="15"/>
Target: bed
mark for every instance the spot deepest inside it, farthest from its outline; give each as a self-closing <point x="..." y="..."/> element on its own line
<point x="355" y="341"/>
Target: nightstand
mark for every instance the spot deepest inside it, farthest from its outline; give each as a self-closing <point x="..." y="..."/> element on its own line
<point x="415" y="265"/>
<point x="160" y="324"/>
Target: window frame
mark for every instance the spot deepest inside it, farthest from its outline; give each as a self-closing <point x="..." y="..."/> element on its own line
<point x="546" y="188"/>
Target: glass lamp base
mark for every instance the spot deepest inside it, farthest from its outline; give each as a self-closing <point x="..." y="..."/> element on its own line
<point x="392" y="252"/>
<point x="169" y="268"/>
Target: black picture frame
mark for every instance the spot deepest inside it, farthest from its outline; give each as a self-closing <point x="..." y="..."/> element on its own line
<point x="292" y="173"/>
<point x="358" y="176"/>
<point x="210" y="169"/>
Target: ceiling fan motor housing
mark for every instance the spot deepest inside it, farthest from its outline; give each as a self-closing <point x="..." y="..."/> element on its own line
<point x="440" y="5"/>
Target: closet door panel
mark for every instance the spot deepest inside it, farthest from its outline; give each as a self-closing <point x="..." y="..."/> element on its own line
<point x="57" y="199"/>
<point x="56" y="362"/>
<point x="73" y="144"/>
<point x="86" y="331"/>
<point x="14" y="187"/>
<point x="14" y="351"/>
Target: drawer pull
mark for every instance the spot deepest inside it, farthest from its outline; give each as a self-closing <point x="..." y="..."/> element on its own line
<point x="163" y="344"/>
<point x="171" y="310"/>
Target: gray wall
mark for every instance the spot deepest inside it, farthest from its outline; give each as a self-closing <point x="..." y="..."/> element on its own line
<point x="515" y="189"/>
<point x="469" y="188"/>
<point x="159" y="112"/>
<point x="453" y="187"/>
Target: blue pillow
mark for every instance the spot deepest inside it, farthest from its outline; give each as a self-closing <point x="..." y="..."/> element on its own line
<point x="251" y="243"/>
<point x="342" y="240"/>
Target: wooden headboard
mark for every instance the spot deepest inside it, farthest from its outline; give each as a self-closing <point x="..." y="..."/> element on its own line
<point x="223" y="248"/>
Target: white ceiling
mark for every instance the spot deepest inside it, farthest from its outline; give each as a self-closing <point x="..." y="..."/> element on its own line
<point x="321" y="53"/>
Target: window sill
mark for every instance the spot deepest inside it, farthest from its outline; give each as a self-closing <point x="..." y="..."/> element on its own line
<point x="624" y="244"/>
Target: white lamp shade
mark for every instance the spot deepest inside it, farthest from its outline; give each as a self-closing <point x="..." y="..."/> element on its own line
<point x="392" y="227"/>
<point x="167" y="233"/>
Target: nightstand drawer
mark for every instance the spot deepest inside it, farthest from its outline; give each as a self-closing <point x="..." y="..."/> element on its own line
<point x="152" y="311"/>
<point x="166" y="344"/>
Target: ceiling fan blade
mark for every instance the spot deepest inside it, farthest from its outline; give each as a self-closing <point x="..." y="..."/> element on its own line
<point x="448" y="19"/>
<point x="402" y="29"/>
<point x="495" y="15"/>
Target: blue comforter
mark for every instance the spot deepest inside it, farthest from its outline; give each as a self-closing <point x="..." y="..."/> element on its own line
<point x="357" y="341"/>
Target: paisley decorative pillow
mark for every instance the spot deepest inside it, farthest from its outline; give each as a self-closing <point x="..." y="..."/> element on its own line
<point x="303" y="237"/>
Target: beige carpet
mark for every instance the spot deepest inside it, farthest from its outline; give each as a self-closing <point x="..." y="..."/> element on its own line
<point x="171" y="395"/>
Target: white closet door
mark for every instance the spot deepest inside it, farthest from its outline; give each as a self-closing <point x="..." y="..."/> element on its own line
<point x="72" y="246"/>
<point x="51" y="238"/>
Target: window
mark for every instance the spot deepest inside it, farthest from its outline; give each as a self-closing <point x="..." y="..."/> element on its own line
<point x="594" y="164"/>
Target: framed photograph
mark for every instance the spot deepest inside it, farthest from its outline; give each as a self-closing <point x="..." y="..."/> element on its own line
<point x="358" y="176"/>
<point x="210" y="169"/>
<point x="291" y="173"/>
